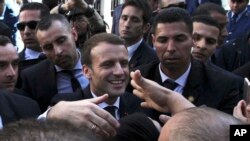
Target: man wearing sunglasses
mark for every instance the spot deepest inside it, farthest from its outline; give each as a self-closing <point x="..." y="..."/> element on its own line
<point x="29" y="16"/>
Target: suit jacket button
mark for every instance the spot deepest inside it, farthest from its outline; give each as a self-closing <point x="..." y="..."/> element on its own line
<point x="191" y="98"/>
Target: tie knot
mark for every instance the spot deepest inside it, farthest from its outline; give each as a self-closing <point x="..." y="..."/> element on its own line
<point x="111" y="110"/>
<point x="234" y="18"/>
<point x="68" y="72"/>
<point x="170" y="84"/>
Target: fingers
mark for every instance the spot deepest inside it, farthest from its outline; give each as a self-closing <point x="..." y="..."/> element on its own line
<point x="139" y="94"/>
<point x="106" y="122"/>
<point x="164" y="118"/>
<point x="99" y="99"/>
<point x="239" y="111"/>
<point x="137" y="78"/>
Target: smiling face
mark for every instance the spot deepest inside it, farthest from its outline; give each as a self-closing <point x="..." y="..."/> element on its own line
<point x="205" y="39"/>
<point x="8" y="67"/>
<point x="173" y="43"/>
<point x="109" y="72"/>
<point x="58" y="43"/>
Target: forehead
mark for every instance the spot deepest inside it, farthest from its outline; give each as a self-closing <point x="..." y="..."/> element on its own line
<point x="108" y="51"/>
<point x="56" y="29"/>
<point x="132" y="11"/>
<point x="172" y="29"/>
<point x="205" y="30"/>
<point x="7" y="52"/>
<point x="29" y="15"/>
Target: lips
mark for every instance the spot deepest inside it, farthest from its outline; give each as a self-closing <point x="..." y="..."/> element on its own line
<point x="27" y="41"/>
<point x="10" y="83"/>
<point x="198" y="55"/>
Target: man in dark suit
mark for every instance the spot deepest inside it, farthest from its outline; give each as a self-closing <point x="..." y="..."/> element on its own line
<point x="29" y="15"/>
<point x="133" y="23"/>
<point x="239" y="19"/>
<point x="106" y="66"/>
<point x="198" y="82"/>
<point x="15" y="107"/>
<point x="62" y="71"/>
<point x="234" y="54"/>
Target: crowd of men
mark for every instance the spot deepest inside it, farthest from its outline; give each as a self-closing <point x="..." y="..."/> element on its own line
<point x="171" y="70"/>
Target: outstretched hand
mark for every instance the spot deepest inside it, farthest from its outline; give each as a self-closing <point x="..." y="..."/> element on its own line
<point x="86" y="113"/>
<point x="156" y="96"/>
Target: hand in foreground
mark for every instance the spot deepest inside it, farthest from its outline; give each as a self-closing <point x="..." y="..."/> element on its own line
<point x="156" y="96"/>
<point x="86" y="113"/>
<point x="242" y="111"/>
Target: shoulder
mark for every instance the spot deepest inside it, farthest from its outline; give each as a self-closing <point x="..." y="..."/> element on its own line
<point x="39" y="67"/>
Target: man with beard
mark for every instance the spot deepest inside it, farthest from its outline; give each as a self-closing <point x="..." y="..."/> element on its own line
<point x="62" y="71"/>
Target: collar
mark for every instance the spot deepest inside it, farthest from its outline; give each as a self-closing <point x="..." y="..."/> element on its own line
<point x="104" y="104"/>
<point x="133" y="48"/>
<point x="31" y="54"/>
<point x="239" y="14"/>
<point x="181" y="80"/>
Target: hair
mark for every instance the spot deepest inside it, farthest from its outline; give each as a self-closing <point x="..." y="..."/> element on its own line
<point x="47" y="21"/>
<point x="4" y="40"/>
<point x="172" y="15"/>
<point x="49" y="130"/>
<point x="93" y="41"/>
<point x="5" y="30"/>
<point x="143" y="5"/>
<point x="208" y="8"/>
<point x="44" y="10"/>
<point x="207" y="20"/>
<point x="202" y="123"/>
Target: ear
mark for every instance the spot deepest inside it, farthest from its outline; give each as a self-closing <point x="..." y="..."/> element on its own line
<point x="153" y="38"/>
<point x="87" y="71"/>
<point x="146" y="27"/>
<point x="74" y="33"/>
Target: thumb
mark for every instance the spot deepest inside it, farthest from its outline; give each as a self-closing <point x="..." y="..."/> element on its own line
<point x="99" y="99"/>
<point x="164" y="118"/>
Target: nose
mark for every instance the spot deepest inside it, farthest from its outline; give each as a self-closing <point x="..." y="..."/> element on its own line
<point x="11" y="71"/>
<point x="118" y="70"/>
<point x="58" y="50"/>
<point x="201" y="44"/>
<point x="171" y="46"/>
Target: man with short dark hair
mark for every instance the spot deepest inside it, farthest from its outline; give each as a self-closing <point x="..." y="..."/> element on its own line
<point x="206" y="32"/>
<point x="172" y="38"/>
<point x="239" y="19"/>
<point x="133" y="23"/>
<point x="62" y="71"/>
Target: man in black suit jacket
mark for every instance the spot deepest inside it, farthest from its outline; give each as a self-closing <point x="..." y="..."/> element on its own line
<point x="30" y="14"/>
<point x="62" y="71"/>
<point x="133" y="23"/>
<point x="198" y="82"/>
<point x="15" y="107"/>
<point x="106" y="66"/>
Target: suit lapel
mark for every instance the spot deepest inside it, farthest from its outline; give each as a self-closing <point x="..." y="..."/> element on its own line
<point x="195" y="82"/>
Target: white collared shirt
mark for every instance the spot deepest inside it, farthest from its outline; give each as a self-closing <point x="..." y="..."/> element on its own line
<point x="31" y="54"/>
<point x="181" y="81"/>
<point x="132" y="49"/>
<point x="104" y="105"/>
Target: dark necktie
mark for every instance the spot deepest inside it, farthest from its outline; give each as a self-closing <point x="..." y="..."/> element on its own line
<point x="74" y="82"/>
<point x="234" y="18"/>
<point x="170" y="84"/>
<point x="111" y="110"/>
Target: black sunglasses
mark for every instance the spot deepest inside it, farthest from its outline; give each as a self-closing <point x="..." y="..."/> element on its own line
<point x="31" y="24"/>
